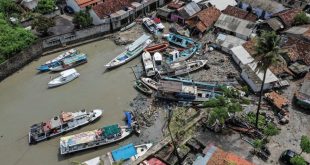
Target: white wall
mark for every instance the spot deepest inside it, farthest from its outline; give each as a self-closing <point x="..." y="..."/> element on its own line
<point x="96" y="19"/>
<point x="255" y="88"/>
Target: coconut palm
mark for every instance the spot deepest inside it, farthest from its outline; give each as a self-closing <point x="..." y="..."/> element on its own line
<point x="268" y="53"/>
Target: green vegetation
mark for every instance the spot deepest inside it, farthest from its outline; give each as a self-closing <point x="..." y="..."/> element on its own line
<point x="42" y="24"/>
<point x="219" y="114"/>
<point x="251" y="118"/>
<point x="271" y="130"/>
<point x="45" y="6"/>
<point x="305" y="144"/>
<point x="268" y="53"/>
<point x="13" y="39"/>
<point x="258" y="144"/>
<point x="82" y="19"/>
<point x="9" y="8"/>
<point x="301" y="19"/>
<point x="298" y="160"/>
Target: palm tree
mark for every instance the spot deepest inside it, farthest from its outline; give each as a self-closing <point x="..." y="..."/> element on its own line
<point x="268" y="53"/>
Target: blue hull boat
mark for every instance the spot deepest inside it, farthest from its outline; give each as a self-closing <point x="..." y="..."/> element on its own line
<point x="179" y="40"/>
<point x="46" y="67"/>
<point x="181" y="56"/>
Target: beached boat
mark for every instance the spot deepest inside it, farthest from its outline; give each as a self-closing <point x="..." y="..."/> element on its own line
<point x="148" y="64"/>
<point x="65" y="122"/>
<point x="177" y="91"/>
<point x="125" y="154"/>
<point x="216" y="87"/>
<point x="150" y="25"/>
<point x="149" y="82"/>
<point x="158" y="24"/>
<point x="54" y="62"/>
<point x="178" y="56"/>
<point x="179" y="40"/>
<point x="157" y="48"/>
<point x="70" y="62"/>
<point x="132" y="51"/>
<point x="143" y="87"/>
<point x="64" y="77"/>
<point x="128" y="26"/>
<point x="99" y="137"/>
<point x="181" y="68"/>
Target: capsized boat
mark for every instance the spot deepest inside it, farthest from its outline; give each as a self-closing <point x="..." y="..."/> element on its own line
<point x="148" y="64"/>
<point x="149" y="82"/>
<point x="150" y="25"/>
<point x="157" y="48"/>
<point x="95" y="138"/>
<point x="132" y="51"/>
<point x="54" y="62"/>
<point x="125" y="154"/>
<point x="65" y="122"/>
<point x="143" y="87"/>
<point x="64" y="77"/>
<point x="70" y="62"/>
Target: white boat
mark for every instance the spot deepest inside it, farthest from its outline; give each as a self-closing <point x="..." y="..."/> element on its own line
<point x="62" y="56"/>
<point x="65" y="77"/>
<point x="126" y="154"/>
<point x="132" y="51"/>
<point x="149" y="82"/>
<point x="148" y="64"/>
<point x="185" y="67"/>
<point x="157" y="61"/>
<point x="150" y="25"/>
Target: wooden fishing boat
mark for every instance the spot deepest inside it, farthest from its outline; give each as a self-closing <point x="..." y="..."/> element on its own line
<point x="64" y="77"/>
<point x="65" y="122"/>
<point x="178" y="56"/>
<point x="148" y="64"/>
<point x="70" y="62"/>
<point x="181" y="68"/>
<point x="150" y="25"/>
<point x="133" y="51"/>
<point x="149" y="82"/>
<point x="157" y="48"/>
<point x="125" y="154"/>
<point x="143" y="87"/>
<point x="179" y="40"/>
<point x="95" y="138"/>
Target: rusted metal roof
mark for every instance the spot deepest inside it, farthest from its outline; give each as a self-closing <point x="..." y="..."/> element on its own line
<point x="287" y="16"/>
<point x="239" y="13"/>
<point x="277" y="100"/>
<point x="111" y="6"/>
<point x="84" y="3"/>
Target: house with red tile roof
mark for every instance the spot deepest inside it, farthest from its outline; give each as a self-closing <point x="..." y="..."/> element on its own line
<point x="239" y="13"/>
<point x="203" y="20"/>
<point x="78" y="5"/>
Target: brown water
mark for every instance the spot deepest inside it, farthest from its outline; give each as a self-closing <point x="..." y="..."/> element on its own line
<point x="25" y="100"/>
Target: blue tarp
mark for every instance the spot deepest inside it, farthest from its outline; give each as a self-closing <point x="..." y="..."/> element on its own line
<point x="124" y="153"/>
<point x="128" y="118"/>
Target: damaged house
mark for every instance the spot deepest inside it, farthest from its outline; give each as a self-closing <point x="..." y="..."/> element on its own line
<point x="203" y="21"/>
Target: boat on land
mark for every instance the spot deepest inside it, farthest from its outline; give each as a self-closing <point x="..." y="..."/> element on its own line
<point x="148" y="64"/>
<point x="95" y="138"/>
<point x="185" y="67"/>
<point x="70" y="62"/>
<point x="132" y="51"/>
<point x="65" y="122"/>
<point x="215" y="87"/>
<point x="178" y="91"/>
<point x="128" y="26"/>
<point x="149" y="25"/>
<point x="179" y="40"/>
<point x="54" y="62"/>
<point x="64" y="77"/>
<point x="125" y="154"/>
<point x="143" y="87"/>
<point x="157" y="48"/>
<point x="178" y="56"/>
<point x="149" y="82"/>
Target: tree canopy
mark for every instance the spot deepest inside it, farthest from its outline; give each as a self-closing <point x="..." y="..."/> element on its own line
<point x="46" y="6"/>
<point x="301" y="19"/>
<point x="13" y="39"/>
<point x="305" y="144"/>
<point x="42" y="24"/>
<point x="8" y="7"/>
<point x="271" y="130"/>
<point x="298" y="160"/>
<point x="82" y="19"/>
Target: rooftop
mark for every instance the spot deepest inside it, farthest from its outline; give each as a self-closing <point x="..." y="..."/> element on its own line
<point x="267" y="5"/>
<point x="204" y="19"/>
<point x="242" y="55"/>
<point x="234" y="24"/>
<point x="175" y="4"/>
<point x="84" y="3"/>
<point x="287" y="16"/>
<point x="275" y="24"/>
<point x="111" y="6"/>
<point x="303" y="48"/>
<point x="302" y="31"/>
<point x="257" y="76"/>
<point x="229" y="41"/>
<point x="239" y="13"/>
<point x="221" y="4"/>
<point x="277" y="100"/>
<point x="305" y="88"/>
<point x="189" y="10"/>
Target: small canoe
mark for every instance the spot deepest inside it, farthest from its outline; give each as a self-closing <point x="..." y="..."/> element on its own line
<point x="149" y="82"/>
<point x="157" y="48"/>
<point x="143" y="87"/>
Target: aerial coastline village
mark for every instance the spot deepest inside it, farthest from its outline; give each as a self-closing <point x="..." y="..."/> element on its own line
<point x="155" y="82"/>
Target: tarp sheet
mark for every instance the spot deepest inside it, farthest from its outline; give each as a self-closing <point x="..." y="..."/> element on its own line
<point x="124" y="152"/>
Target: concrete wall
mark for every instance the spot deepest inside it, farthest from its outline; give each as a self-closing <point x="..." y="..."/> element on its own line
<point x="74" y="5"/>
<point x="19" y="60"/>
<point x="96" y="19"/>
<point x="255" y="88"/>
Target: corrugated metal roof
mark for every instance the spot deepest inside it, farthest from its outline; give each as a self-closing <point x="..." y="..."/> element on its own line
<point x="189" y="10"/>
<point x="242" y="55"/>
